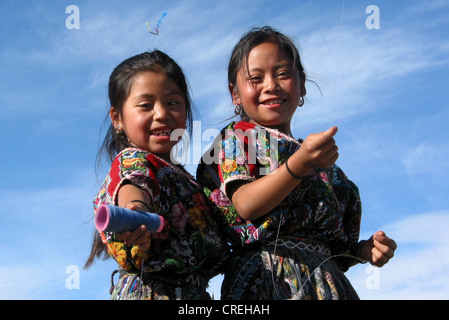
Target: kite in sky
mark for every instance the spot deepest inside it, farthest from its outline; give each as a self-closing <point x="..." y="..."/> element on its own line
<point x="157" y="26"/>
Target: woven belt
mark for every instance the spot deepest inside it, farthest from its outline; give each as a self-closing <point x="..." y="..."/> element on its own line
<point x="299" y="244"/>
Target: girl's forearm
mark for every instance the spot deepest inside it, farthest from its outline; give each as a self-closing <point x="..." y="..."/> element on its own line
<point x="255" y="199"/>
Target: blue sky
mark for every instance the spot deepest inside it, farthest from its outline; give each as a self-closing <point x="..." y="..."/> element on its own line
<point x="386" y="89"/>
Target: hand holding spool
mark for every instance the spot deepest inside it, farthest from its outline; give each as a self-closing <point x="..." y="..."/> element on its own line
<point x="110" y="218"/>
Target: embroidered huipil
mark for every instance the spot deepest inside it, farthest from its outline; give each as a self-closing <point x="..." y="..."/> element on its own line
<point x="284" y="254"/>
<point x="188" y="245"/>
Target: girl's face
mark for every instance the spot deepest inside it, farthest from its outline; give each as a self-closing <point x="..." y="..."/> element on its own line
<point x="268" y="88"/>
<point x="154" y="108"/>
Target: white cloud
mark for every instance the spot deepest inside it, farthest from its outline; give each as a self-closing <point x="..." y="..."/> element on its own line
<point x="355" y="76"/>
<point x="426" y="158"/>
<point x="19" y="281"/>
<point x="420" y="267"/>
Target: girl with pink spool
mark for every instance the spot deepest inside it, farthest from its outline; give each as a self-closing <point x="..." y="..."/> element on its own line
<point x="149" y="100"/>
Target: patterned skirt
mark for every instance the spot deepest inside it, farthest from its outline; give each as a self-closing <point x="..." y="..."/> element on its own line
<point x="285" y="270"/>
<point x="131" y="287"/>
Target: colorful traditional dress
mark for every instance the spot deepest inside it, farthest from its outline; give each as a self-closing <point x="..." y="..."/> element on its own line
<point x="186" y="253"/>
<point x="298" y="250"/>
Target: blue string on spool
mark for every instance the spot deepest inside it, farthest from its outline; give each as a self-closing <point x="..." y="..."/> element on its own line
<point x="110" y="218"/>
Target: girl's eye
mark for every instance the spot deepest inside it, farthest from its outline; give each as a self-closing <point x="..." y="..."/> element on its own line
<point x="173" y="103"/>
<point x="146" y="105"/>
<point x="284" y="74"/>
<point x="255" y="79"/>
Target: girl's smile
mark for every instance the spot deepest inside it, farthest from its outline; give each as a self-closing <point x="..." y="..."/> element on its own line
<point x="161" y="133"/>
<point x="272" y="103"/>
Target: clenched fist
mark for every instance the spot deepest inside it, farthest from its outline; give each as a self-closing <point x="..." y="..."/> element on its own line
<point x="318" y="150"/>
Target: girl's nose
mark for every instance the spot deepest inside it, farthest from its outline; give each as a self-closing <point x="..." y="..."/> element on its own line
<point x="160" y="112"/>
<point x="271" y="84"/>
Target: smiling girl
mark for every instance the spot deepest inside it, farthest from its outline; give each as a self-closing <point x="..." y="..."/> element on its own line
<point x="149" y="100"/>
<point x="293" y="216"/>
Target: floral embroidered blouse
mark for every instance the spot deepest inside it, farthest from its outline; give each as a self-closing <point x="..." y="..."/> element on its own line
<point x="325" y="206"/>
<point x="191" y="241"/>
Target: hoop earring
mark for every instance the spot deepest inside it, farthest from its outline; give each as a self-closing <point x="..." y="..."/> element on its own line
<point x="301" y="102"/>
<point x="238" y="109"/>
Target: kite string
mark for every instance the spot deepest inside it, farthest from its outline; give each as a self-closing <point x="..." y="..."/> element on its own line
<point x="341" y="24"/>
<point x="371" y="129"/>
